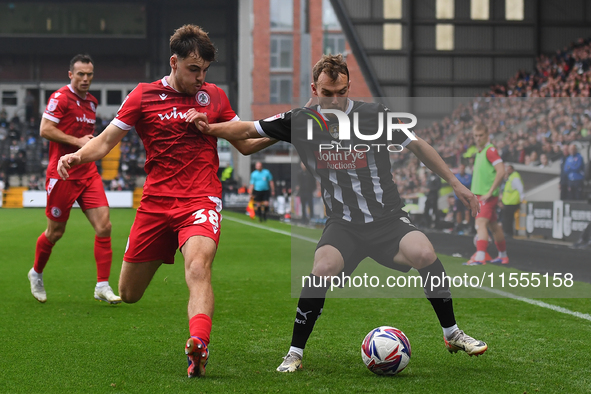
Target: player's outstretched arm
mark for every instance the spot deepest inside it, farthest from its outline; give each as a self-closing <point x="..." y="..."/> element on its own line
<point x="49" y="131"/>
<point x="94" y="150"/>
<point x="429" y="156"/>
<point x="253" y="145"/>
<point x="236" y="130"/>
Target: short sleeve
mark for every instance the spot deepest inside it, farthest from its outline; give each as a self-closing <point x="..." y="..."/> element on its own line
<point x="226" y="111"/>
<point x="130" y="111"/>
<point x="56" y="107"/>
<point x="493" y="156"/>
<point x="277" y="126"/>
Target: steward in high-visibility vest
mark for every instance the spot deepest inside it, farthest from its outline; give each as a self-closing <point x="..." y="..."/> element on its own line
<point x="513" y="188"/>
<point x="512" y="197"/>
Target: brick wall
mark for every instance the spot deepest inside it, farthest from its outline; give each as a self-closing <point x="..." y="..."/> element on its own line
<point x="261" y="106"/>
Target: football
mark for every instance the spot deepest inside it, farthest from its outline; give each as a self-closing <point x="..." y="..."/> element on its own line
<point x="385" y="350"/>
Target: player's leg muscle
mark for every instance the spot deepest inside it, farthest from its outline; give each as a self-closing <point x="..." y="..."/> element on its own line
<point x="497" y="231"/>
<point x="55" y="230"/>
<point x="482" y="228"/>
<point x="100" y="221"/>
<point x="415" y="250"/>
<point x="199" y="252"/>
<point x="135" y="278"/>
<point x="327" y="261"/>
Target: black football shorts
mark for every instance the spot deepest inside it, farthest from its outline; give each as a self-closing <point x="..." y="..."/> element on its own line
<point x="378" y="240"/>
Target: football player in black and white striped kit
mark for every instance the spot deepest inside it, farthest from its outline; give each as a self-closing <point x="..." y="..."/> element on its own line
<point x="364" y="208"/>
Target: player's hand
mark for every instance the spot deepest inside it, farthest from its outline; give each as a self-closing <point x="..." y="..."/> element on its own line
<point x="199" y="118"/>
<point x="66" y="163"/>
<point x="485" y="197"/>
<point x="84" y="140"/>
<point x="467" y="198"/>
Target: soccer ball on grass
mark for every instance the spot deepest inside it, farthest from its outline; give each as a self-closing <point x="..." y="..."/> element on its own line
<point x="385" y="350"/>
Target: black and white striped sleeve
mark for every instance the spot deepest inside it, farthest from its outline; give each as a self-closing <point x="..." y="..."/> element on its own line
<point x="277" y="126"/>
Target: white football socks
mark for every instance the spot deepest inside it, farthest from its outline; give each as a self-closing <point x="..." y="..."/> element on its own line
<point x="296" y="350"/>
<point x="102" y="284"/>
<point x="449" y="330"/>
<point x="35" y="274"/>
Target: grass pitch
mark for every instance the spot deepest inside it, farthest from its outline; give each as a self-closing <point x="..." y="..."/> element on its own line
<point x="74" y="344"/>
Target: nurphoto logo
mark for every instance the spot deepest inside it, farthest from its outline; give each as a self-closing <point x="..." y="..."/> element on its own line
<point x="342" y="130"/>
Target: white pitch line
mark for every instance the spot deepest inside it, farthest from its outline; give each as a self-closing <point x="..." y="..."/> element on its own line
<point x="271" y="229"/>
<point x="495" y="291"/>
<point x="538" y="303"/>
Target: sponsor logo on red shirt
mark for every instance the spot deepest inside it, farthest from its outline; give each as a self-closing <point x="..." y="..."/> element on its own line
<point x="173" y="115"/>
<point x="84" y="119"/>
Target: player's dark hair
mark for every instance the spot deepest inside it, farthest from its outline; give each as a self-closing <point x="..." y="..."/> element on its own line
<point x="192" y="38"/>
<point x="84" y="58"/>
<point x="331" y="65"/>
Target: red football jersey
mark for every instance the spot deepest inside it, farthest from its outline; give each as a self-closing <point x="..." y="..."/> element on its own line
<point x="75" y="116"/>
<point x="493" y="156"/>
<point x="180" y="160"/>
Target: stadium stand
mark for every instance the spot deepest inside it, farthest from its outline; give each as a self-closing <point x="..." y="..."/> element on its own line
<point x="519" y="133"/>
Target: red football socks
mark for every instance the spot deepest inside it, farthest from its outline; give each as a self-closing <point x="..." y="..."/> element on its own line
<point x="501" y="246"/>
<point x="200" y="327"/>
<point x="481" y="245"/>
<point x="42" y="253"/>
<point x="103" y="254"/>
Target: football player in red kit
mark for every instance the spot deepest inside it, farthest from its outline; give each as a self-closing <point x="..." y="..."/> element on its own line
<point x="181" y="204"/>
<point x="68" y="123"/>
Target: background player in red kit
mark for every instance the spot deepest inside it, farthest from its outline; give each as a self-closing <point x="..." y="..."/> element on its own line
<point x="182" y="196"/>
<point x="488" y="173"/>
<point x="68" y="123"/>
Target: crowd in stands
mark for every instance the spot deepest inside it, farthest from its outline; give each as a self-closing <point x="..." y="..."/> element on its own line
<point x="532" y="119"/>
<point x="20" y="144"/>
<point x="24" y="155"/>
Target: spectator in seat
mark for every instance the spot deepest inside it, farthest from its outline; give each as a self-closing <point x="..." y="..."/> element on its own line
<point x="543" y="161"/>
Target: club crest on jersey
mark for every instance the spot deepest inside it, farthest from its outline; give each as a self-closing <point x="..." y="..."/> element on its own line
<point x="52" y="105"/>
<point x="202" y="98"/>
<point x="333" y="129"/>
<point x="56" y="212"/>
<point x="93" y="107"/>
